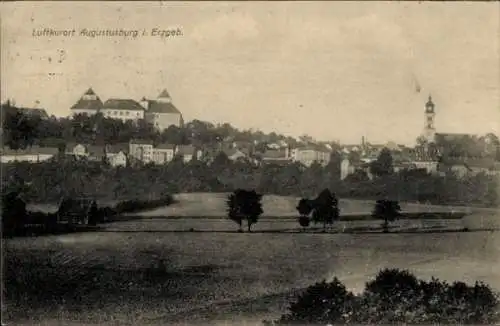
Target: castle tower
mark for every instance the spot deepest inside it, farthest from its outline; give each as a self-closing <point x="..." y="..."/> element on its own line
<point x="164" y="97"/>
<point x="89" y="95"/>
<point x="429" y="129"/>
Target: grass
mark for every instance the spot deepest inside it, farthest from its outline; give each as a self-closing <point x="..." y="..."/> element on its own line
<point x="164" y="278"/>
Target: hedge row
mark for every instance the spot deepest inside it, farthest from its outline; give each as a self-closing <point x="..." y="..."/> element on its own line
<point x="394" y="297"/>
<point x="16" y="220"/>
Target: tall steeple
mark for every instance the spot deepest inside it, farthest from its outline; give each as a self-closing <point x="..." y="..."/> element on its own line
<point x="429" y="129"/>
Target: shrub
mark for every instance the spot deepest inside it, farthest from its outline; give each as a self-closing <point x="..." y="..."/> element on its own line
<point x="394" y="296"/>
<point x="320" y="304"/>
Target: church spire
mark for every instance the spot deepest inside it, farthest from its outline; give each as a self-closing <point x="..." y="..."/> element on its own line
<point x="429" y="129"/>
<point x="429" y="106"/>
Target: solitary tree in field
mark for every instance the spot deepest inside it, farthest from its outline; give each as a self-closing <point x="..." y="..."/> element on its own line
<point x="326" y="208"/>
<point x="244" y="205"/>
<point x="305" y="207"/>
<point x="387" y="210"/>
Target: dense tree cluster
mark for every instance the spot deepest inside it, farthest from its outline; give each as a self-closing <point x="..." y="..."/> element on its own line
<point x="394" y="297"/>
<point x="21" y="130"/>
<point x="50" y="181"/>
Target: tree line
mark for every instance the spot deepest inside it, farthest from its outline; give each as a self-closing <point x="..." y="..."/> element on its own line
<point x="49" y="181"/>
<point x="22" y="130"/>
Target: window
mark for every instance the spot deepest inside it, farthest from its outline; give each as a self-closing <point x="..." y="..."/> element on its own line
<point x="121" y="112"/>
<point x="127" y="113"/>
<point x="114" y="113"/>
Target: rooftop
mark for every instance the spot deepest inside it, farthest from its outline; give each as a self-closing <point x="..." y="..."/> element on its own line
<point x="161" y="107"/>
<point x="122" y="104"/>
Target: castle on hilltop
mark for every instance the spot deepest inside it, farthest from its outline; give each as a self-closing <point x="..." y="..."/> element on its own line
<point x="160" y="112"/>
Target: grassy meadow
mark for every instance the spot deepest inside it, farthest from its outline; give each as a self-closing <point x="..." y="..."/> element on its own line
<point x="152" y="271"/>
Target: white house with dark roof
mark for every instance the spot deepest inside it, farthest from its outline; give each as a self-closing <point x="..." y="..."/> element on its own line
<point x="161" y="112"/>
<point x="188" y="152"/>
<point x="116" y="154"/>
<point x="123" y="109"/>
<point x="88" y="104"/>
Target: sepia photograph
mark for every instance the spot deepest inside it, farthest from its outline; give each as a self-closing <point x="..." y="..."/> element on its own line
<point x="250" y="163"/>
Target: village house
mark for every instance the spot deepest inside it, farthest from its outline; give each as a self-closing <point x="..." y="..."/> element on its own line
<point x="311" y="153"/>
<point x="425" y="157"/>
<point x="163" y="153"/>
<point x="32" y="154"/>
<point x="279" y="156"/>
<point x="235" y="154"/>
<point x="88" y="104"/>
<point x="78" y="151"/>
<point x="92" y="153"/>
<point x="96" y="153"/>
<point x="467" y="166"/>
<point x="161" y="112"/>
<point x="188" y="152"/>
<point x="116" y="155"/>
<point x="141" y="150"/>
<point x="348" y="167"/>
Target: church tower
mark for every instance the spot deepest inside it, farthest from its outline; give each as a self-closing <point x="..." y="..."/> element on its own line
<point x="429" y="129"/>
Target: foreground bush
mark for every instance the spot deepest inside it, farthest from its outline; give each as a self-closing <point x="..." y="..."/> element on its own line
<point x="394" y="297"/>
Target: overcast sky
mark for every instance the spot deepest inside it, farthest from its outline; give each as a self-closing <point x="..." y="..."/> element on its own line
<point x="332" y="70"/>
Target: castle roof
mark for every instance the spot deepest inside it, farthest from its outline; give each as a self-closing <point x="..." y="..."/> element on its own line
<point x="162" y="107"/>
<point x="122" y="104"/>
<point x="84" y="104"/>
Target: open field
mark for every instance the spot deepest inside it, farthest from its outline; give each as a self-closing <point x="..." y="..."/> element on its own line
<point x="142" y="272"/>
<point x="214" y="204"/>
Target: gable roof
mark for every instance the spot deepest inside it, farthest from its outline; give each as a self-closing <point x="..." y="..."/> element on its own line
<point x="117" y="148"/>
<point x="274" y="154"/>
<point x="233" y="151"/>
<point x="161" y="107"/>
<point x="84" y="104"/>
<point x="122" y="104"/>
